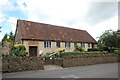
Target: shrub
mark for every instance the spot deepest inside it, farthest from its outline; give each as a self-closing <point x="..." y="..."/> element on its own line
<point x="61" y="50"/>
<point x="48" y="55"/>
<point x="93" y="49"/>
<point x="80" y="53"/>
<point x="79" y="48"/>
<point x="18" y="50"/>
<point x="117" y="51"/>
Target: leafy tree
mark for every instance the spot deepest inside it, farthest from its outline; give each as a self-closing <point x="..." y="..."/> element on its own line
<point x="8" y="37"/>
<point x="109" y="39"/>
<point x="5" y="38"/>
<point x="11" y="36"/>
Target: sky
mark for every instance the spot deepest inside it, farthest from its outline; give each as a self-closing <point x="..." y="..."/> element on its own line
<point x="94" y="16"/>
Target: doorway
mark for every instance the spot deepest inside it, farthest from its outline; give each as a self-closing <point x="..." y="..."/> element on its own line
<point x="32" y="50"/>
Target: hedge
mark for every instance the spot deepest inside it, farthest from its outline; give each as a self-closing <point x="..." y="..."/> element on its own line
<point x="117" y="51"/>
<point x="79" y="53"/>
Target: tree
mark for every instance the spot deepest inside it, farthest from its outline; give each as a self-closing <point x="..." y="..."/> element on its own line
<point x="109" y="39"/>
<point x="8" y="37"/>
<point x="5" y="38"/>
<point x="11" y="36"/>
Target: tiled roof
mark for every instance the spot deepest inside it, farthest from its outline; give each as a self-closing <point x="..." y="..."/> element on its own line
<point x="41" y="31"/>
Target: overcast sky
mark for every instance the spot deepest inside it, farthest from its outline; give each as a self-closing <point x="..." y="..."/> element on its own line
<point x="94" y="16"/>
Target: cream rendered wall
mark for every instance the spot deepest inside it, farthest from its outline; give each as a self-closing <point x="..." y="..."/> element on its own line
<point x="40" y="46"/>
<point x="54" y="47"/>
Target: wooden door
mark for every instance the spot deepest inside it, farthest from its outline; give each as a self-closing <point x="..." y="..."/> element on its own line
<point x="32" y="50"/>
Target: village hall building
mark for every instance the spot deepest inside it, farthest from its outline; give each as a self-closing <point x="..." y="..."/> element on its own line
<point x="49" y="38"/>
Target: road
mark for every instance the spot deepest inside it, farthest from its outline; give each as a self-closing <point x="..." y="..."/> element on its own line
<point x="92" y="71"/>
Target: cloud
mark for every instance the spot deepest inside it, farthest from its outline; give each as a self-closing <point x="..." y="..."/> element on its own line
<point x="52" y="11"/>
<point x="99" y="28"/>
<point x="90" y="16"/>
<point x="100" y="11"/>
<point x="64" y="12"/>
<point x="12" y="22"/>
<point x="7" y="5"/>
<point x="2" y="18"/>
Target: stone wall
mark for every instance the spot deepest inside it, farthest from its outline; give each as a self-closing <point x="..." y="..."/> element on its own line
<point x="89" y="59"/>
<point x="6" y="48"/>
<point x="53" y="61"/>
<point x="16" y="64"/>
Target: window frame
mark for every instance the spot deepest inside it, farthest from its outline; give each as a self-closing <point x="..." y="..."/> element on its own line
<point x="58" y="44"/>
<point x="67" y="44"/>
<point x="47" y="44"/>
<point x="75" y="44"/>
<point x="83" y="44"/>
<point x="89" y="45"/>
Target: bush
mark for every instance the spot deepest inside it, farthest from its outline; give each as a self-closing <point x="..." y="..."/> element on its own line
<point x="80" y="53"/>
<point x="117" y="51"/>
<point x="61" y="50"/>
<point x="93" y="49"/>
<point x="18" y="50"/>
<point x="79" y="48"/>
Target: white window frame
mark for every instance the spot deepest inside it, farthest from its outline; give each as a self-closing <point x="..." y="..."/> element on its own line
<point x="89" y="45"/>
<point x="58" y="44"/>
<point x="67" y="44"/>
<point x="75" y="44"/>
<point x="83" y="44"/>
<point x="47" y="44"/>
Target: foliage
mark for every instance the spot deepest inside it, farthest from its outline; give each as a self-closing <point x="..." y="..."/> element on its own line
<point x="18" y="50"/>
<point x="80" y="53"/>
<point x="109" y="39"/>
<point x="8" y="37"/>
<point x="53" y="54"/>
<point x="11" y="36"/>
<point x="117" y="51"/>
<point x="79" y="48"/>
<point x="94" y="49"/>
<point x="47" y="55"/>
<point x="61" y="50"/>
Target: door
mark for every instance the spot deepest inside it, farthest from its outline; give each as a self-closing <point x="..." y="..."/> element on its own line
<point x="32" y="50"/>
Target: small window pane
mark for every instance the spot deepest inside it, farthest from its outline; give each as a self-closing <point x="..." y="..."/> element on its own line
<point x="75" y="44"/>
<point x="67" y="44"/>
<point x="88" y="45"/>
<point x="58" y="44"/>
<point x="83" y="45"/>
<point x="47" y="44"/>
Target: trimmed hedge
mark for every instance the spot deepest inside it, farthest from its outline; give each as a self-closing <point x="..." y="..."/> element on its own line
<point x="79" y="53"/>
<point x="93" y="49"/>
<point x="117" y="51"/>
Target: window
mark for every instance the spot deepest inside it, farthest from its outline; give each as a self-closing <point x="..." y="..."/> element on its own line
<point x="58" y="44"/>
<point x="75" y="44"/>
<point x="67" y="44"/>
<point x="88" y="45"/>
<point x="83" y="45"/>
<point x="47" y="44"/>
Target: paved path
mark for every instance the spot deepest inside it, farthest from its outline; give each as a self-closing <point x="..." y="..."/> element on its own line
<point x="92" y="71"/>
<point x="52" y="67"/>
